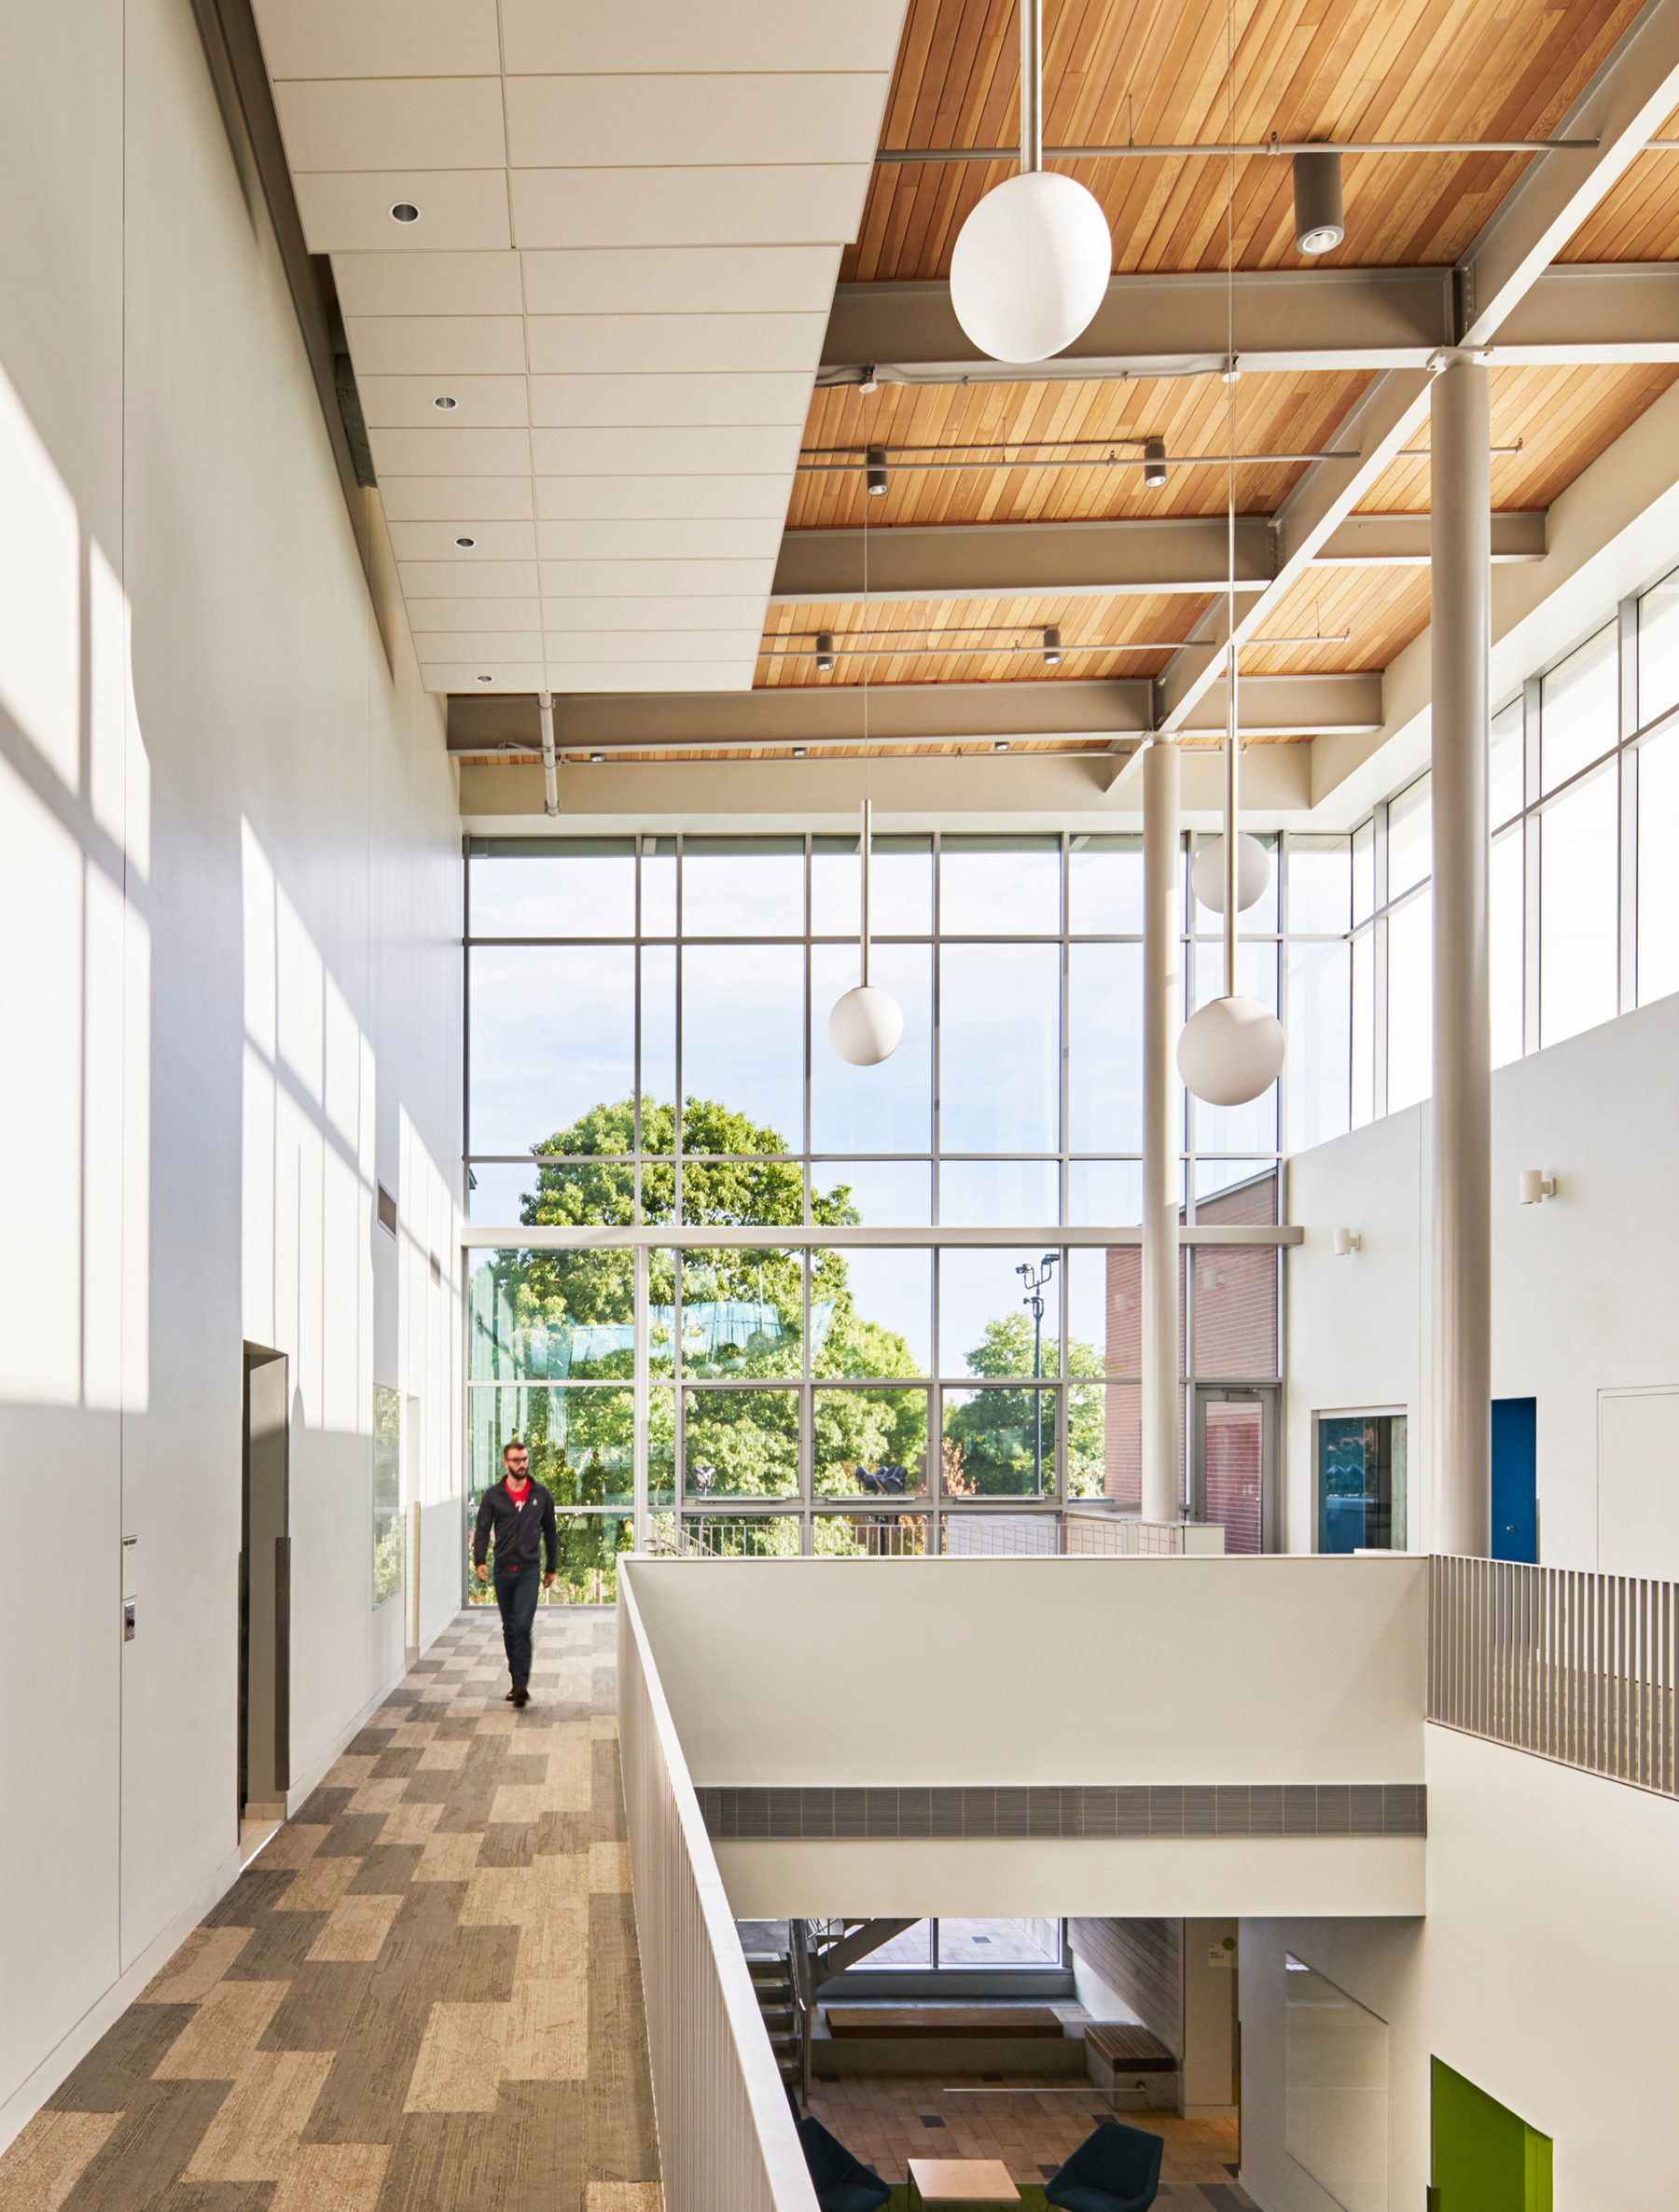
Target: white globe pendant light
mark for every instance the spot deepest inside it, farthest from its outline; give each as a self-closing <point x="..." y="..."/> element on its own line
<point x="867" y="1025"/>
<point x="1253" y="873"/>
<point x="1032" y="261"/>
<point x="1230" y="1051"/>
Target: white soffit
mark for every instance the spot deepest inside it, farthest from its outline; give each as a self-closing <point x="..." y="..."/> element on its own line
<point x="630" y="226"/>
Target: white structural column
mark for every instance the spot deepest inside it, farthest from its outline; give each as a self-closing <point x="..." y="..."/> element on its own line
<point x="1162" y="1013"/>
<point x="1462" y="499"/>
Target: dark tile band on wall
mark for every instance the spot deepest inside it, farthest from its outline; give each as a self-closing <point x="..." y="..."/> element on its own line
<point x="1094" y="1811"/>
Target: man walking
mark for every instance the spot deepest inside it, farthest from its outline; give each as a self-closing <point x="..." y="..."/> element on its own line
<point x="519" y="1514"/>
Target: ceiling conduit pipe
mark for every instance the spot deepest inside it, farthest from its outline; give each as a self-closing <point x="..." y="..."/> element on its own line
<point x="550" y="767"/>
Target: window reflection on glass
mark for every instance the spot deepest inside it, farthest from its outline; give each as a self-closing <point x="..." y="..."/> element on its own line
<point x="387" y="1493"/>
<point x="1104" y="1047"/>
<point x="999" y="1442"/>
<point x="1578" y="709"/>
<point x="1336" y="2090"/>
<point x="742" y="1314"/>
<point x="981" y="880"/>
<point x="571" y="887"/>
<point x="1505" y="902"/>
<point x="742" y="1046"/>
<point x="870" y="1443"/>
<point x="742" y="887"/>
<point x="580" y="1440"/>
<point x="1410" y="836"/>
<point x="888" y="1108"/>
<point x="740" y="1443"/>
<point x="994" y="1318"/>
<point x="1361" y="1482"/>
<point x="1658" y="877"/>
<point x="1104" y="886"/>
<point x="1505" y="770"/>
<point x="1261" y="916"/>
<point x="551" y="1038"/>
<point x="999" y="1942"/>
<point x="881" y="1306"/>
<point x="1659" y="649"/>
<point x="900" y="887"/>
<point x="551" y="1316"/>
<point x="1000" y="1037"/>
<point x="659" y="887"/>
<point x="1320" y="1039"/>
<point x="998" y="1194"/>
<point x="1580" y="908"/>
<point x="1105" y="1194"/>
<point x="1320" y="885"/>
<point x="1410" y="1003"/>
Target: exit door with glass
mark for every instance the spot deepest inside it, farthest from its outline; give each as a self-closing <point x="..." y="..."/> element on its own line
<point x="1232" y="1463"/>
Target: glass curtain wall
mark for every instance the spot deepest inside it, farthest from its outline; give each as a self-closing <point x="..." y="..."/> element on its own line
<point x="647" y="1046"/>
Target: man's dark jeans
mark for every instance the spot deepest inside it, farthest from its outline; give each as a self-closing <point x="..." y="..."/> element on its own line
<point x="517" y="1595"/>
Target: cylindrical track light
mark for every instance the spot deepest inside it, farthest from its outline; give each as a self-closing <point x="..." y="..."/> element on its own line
<point x="1052" y="646"/>
<point x="1317" y="197"/>
<point x="875" y="476"/>
<point x="825" y="651"/>
<point x="1153" y="463"/>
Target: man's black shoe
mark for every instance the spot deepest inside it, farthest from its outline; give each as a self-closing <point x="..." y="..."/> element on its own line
<point x="509" y="1696"/>
<point x="521" y="1697"/>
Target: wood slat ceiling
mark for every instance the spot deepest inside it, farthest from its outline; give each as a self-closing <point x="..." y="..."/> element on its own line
<point x="1091" y="630"/>
<point x="1639" y="219"/>
<point x="1290" y="414"/>
<point x="1379" y="608"/>
<point x="1118" y="70"/>
<point x="1562" y="419"/>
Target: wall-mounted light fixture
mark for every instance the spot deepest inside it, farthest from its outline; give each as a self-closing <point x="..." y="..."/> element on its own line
<point x="1347" y="1241"/>
<point x="1535" y="1185"/>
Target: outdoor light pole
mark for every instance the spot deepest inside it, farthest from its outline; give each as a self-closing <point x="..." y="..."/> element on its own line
<point x="1036" y="1282"/>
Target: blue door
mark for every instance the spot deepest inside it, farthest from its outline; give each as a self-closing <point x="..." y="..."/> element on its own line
<point x="1516" y="1479"/>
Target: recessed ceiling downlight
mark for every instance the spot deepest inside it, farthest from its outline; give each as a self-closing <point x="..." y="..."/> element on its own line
<point x="444" y="402"/>
<point x="405" y="212"/>
<point x="486" y="679"/>
<point x="465" y="541"/>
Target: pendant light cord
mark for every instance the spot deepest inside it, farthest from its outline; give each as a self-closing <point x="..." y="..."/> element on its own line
<point x="1230" y="646"/>
<point x="869" y="414"/>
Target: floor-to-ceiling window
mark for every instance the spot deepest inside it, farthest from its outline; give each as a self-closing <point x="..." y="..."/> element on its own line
<point x="647" y="1052"/>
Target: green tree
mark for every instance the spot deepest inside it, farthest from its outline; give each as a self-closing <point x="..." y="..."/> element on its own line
<point x="990" y="1438"/>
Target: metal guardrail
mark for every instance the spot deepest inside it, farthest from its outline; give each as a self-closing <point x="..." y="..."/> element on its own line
<point x="1573" y="1666"/>
<point x="1089" y="1533"/>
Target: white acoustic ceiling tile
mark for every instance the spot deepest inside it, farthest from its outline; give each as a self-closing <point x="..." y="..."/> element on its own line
<point x="544" y="36"/>
<point x="669" y="539"/>
<point x="474" y="615"/>
<point x="743" y="611"/>
<point x="616" y="345"/>
<point x="580" y="678"/>
<point x="425" y="284"/>
<point x="472" y="676"/>
<point x="683" y="207"/>
<point x="411" y="403"/>
<point x="619" y="122"/>
<point x="349" y="210"/>
<point x="703" y="451"/>
<point x="467" y="579"/>
<point x="606" y="402"/>
<point x="564" y="499"/>
<point x="449" y="452"/>
<point x="682" y="281"/>
<point x="482" y="646"/>
<point x="379" y="38"/>
<point x="436" y="345"/>
<point x="595" y="579"/>
<point x="381" y="122"/>
<point x="440" y="541"/>
<point x="650" y="646"/>
<point x="444" y="499"/>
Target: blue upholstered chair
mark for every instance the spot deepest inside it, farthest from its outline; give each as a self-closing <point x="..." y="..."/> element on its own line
<point x="842" y="2183"/>
<point x="1118" y="2169"/>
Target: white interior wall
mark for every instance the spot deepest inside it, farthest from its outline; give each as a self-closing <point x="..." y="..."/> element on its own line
<point x="1552" y="1925"/>
<point x="229" y="842"/>
<point x="1582" y="1284"/>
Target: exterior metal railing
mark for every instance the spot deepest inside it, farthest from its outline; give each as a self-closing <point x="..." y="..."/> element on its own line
<point x="1088" y="1532"/>
<point x="726" y="2136"/>
<point x="1573" y="1666"/>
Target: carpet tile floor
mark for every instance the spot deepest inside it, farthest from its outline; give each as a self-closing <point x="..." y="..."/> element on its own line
<point x="422" y="1995"/>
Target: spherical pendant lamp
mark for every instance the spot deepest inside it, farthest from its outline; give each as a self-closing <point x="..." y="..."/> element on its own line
<point x="1031" y="265"/>
<point x="1253" y="873"/>
<point x="1230" y="1051"/>
<point x="865" y="1026"/>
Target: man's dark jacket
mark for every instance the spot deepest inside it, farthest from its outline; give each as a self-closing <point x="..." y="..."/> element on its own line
<point x="519" y="1531"/>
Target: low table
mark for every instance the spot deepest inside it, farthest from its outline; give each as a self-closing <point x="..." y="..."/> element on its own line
<point x="961" y="2181"/>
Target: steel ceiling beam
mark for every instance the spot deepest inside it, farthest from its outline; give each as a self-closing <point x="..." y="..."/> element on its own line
<point x="1177" y="554"/>
<point x="1286" y="320"/>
